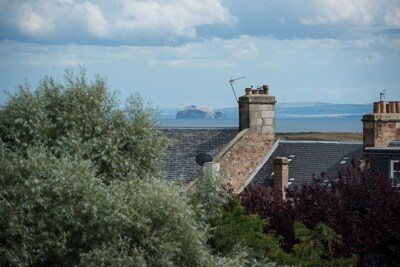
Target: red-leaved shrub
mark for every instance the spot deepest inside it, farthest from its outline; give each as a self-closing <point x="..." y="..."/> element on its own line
<point x="362" y="207"/>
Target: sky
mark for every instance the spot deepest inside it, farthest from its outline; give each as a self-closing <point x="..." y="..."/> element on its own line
<point x="176" y="53"/>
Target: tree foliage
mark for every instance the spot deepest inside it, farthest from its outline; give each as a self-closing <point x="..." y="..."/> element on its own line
<point x="82" y="118"/>
<point x="55" y="211"/>
<point x="313" y="247"/>
<point x="363" y="208"/>
<point x="80" y="184"/>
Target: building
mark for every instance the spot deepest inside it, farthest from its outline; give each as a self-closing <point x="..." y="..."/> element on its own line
<point x="250" y="153"/>
<point x="381" y="134"/>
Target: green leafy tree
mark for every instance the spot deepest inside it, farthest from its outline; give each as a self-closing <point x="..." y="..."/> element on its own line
<point x="80" y="184"/>
<point x="316" y="247"/>
<point x="83" y="118"/>
<point x="235" y="228"/>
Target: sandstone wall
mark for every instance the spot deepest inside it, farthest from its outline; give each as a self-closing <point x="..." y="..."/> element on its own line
<point x="239" y="159"/>
<point x="379" y="129"/>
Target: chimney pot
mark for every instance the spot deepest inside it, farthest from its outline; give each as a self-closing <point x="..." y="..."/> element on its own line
<point x="383" y="106"/>
<point x="377" y="107"/>
<point x="265" y="89"/>
<point x="393" y="107"/>
<point x="388" y="108"/>
<point x="254" y="91"/>
<point x="248" y="91"/>
<point x="398" y="106"/>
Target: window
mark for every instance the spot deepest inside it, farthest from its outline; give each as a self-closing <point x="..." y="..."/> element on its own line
<point x="395" y="172"/>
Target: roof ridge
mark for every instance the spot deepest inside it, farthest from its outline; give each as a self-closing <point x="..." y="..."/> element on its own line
<point x="320" y="142"/>
<point x="199" y="128"/>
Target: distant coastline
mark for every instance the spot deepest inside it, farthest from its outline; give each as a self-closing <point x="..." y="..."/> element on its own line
<point x="303" y="124"/>
<point x="294" y="110"/>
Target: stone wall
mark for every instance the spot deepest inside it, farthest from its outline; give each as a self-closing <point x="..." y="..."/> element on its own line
<point x="379" y="129"/>
<point x="239" y="159"/>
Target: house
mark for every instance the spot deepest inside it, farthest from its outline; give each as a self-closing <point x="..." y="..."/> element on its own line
<point x="250" y="153"/>
<point x="381" y="135"/>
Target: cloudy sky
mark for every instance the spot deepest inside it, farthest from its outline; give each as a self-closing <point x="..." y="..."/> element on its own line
<point x="181" y="52"/>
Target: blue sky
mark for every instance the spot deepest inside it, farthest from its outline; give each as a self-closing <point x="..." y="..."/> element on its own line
<point x="181" y="52"/>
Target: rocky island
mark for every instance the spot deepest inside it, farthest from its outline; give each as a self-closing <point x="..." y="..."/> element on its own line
<point x="199" y="112"/>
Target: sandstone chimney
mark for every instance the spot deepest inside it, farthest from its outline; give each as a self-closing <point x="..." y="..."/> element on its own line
<point x="382" y="126"/>
<point x="257" y="111"/>
<point x="281" y="173"/>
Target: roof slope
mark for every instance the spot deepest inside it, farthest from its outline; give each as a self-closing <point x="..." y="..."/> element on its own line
<point x="179" y="160"/>
<point x="323" y="160"/>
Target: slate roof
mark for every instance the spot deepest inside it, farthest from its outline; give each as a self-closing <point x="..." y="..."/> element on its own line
<point x="323" y="159"/>
<point x="179" y="161"/>
<point x="381" y="156"/>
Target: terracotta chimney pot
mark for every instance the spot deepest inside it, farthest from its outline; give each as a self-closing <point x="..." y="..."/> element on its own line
<point x="248" y="91"/>
<point x="377" y="107"/>
<point x="393" y="107"/>
<point x="388" y="108"/>
<point x="383" y="106"/>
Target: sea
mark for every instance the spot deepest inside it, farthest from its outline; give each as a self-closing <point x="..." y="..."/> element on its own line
<point x="282" y="125"/>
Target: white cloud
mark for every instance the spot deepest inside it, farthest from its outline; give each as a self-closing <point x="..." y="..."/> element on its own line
<point x="178" y="17"/>
<point x="211" y="53"/>
<point x="119" y="20"/>
<point x="96" y="22"/>
<point x="359" y="12"/>
<point x="32" y="23"/>
<point x="392" y="17"/>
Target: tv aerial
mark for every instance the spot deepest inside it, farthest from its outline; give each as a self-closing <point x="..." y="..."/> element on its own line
<point x="231" y="81"/>
<point x="382" y="95"/>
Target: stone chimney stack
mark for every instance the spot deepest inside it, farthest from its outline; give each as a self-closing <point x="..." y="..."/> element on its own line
<point x="281" y="173"/>
<point x="257" y="111"/>
<point x="383" y="125"/>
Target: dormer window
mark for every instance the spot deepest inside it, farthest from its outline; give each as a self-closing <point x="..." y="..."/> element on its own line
<point x="395" y="172"/>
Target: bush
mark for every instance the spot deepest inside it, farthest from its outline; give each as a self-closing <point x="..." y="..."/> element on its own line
<point x="361" y="207"/>
<point x="55" y="211"/>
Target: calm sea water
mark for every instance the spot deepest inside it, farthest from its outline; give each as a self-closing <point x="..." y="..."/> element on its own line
<point x="343" y="124"/>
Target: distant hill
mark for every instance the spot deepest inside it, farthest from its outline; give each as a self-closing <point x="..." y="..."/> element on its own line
<point x="297" y="110"/>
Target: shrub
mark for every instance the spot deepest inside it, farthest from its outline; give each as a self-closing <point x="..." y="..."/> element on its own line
<point x="361" y="207"/>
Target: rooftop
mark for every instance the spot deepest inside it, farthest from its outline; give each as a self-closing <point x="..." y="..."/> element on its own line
<point x="179" y="160"/>
<point x="310" y="160"/>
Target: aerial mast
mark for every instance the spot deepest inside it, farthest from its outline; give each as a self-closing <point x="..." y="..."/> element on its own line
<point x="231" y="81"/>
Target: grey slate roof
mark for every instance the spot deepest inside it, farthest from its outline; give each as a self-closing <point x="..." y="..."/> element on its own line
<point x="382" y="156"/>
<point x="179" y="161"/>
<point x="323" y="159"/>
